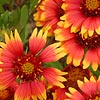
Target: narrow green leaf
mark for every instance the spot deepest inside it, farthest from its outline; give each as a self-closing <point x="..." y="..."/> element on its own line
<point x="15" y="17"/>
<point x="24" y="34"/>
<point x="33" y="4"/>
<point x="4" y="19"/>
<point x="23" y="18"/>
<point x="96" y="73"/>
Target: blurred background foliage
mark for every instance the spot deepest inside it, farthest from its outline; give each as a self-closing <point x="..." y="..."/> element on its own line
<point x="17" y="14"/>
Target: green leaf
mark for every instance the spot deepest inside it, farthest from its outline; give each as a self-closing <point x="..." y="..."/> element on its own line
<point x="56" y="64"/>
<point x="10" y="19"/>
<point x="4" y="19"/>
<point x="5" y="1"/>
<point x="33" y="4"/>
<point x="1" y="9"/>
<point x="96" y="73"/>
<point x="15" y="17"/>
<point x="24" y="34"/>
<point x="23" y="18"/>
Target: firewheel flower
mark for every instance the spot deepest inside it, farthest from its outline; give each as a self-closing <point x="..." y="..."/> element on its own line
<point x="26" y="67"/>
<point x="74" y="74"/>
<point x="89" y="90"/>
<point x="80" y="49"/>
<point x="48" y="14"/>
<point x="7" y="94"/>
<point x="82" y="15"/>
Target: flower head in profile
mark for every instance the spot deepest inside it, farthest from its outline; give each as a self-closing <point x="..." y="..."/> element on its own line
<point x="89" y="90"/>
<point x="48" y="14"/>
<point x="82" y="15"/>
<point x="26" y="67"/>
<point x="79" y="49"/>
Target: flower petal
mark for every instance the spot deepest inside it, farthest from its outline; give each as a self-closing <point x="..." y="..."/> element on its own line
<point x="74" y="51"/>
<point x="52" y="53"/>
<point x="91" y="57"/>
<point x="17" y="49"/>
<point x="53" y="76"/>
<point x="63" y="34"/>
<point x="23" y="92"/>
<point x="6" y="79"/>
<point x="38" y="90"/>
<point x="60" y="94"/>
<point x="37" y="41"/>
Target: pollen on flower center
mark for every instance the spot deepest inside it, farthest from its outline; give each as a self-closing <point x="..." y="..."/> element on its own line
<point x="74" y="74"/>
<point x="94" y="97"/>
<point x="90" y="7"/>
<point x="90" y="42"/>
<point x="92" y="4"/>
<point x="27" y="68"/>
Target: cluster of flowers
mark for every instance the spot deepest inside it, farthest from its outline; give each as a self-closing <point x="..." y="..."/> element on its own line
<point x="75" y="24"/>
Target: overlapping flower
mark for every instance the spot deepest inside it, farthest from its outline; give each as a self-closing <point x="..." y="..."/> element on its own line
<point x="89" y="90"/>
<point x="7" y="94"/>
<point x="48" y="14"/>
<point x="74" y="74"/>
<point x="26" y="67"/>
<point x="82" y="15"/>
<point x="79" y="49"/>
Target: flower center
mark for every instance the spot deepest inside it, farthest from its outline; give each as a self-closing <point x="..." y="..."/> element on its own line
<point x="74" y="74"/>
<point x="27" y="68"/>
<point x="90" y="7"/>
<point x="60" y="11"/>
<point x="6" y="94"/>
<point x="49" y="95"/>
<point x="94" y="97"/>
<point x="90" y="42"/>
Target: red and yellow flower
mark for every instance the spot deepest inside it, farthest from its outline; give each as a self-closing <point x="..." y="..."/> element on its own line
<point x="74" y="74"/>
<point x="82" y="15"/>
<point x="26" y="67"/>
<point x="78" y="48"/>
<point x="7" y="94"/>
<point x="89" y="90"/>
<point x="48" y="14"/>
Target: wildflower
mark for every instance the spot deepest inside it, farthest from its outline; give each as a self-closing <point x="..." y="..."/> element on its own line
<point x="48" y="14"/>
<point x="7" y="94"/>
<point x="78" y="48"/>
<point x="26" y="68"/>
<point x="74" y="74"/>
<point x="89" y="90"/>
<point x="82" y="15"/>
